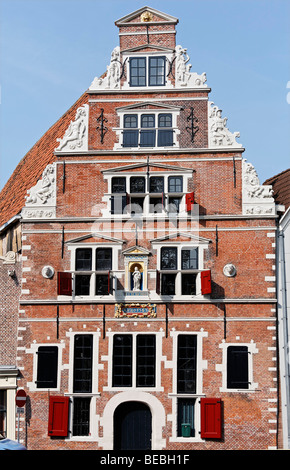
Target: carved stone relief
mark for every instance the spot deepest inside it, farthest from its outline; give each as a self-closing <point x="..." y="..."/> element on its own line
<point x="112" y="78"/>
<point x="41" y="198"/>
<point x="183" y="76"/>
<point x="219" y="134"/>
<point x="76" y="135"/>
<point x="257" y="199"/>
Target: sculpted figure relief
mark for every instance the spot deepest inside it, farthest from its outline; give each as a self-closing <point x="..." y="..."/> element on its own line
<point x="183" y="75"/>
<point x="44" y="189"/>
<point x="112" y="78"/>
<point x="219" y="135"/>
<point x="75" y="133"/>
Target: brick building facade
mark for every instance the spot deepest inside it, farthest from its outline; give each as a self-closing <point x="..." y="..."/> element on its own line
<point x="148" y="301"/>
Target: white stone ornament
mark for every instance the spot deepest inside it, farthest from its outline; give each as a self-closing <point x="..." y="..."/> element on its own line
<point x="183" y="76"/>
<point x="76" y="135"/>
<point x="257" y="199"/>
<point x="111" y="80"/>
<point x="219" y="135"/>
<point x="41" y="199"/>
<point x="229" y="270"/>
<point x="47" y="272"/>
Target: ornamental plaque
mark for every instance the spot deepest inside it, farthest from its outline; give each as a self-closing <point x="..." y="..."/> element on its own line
<point x="135" y="310"/>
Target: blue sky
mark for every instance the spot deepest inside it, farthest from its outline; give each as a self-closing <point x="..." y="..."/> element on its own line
<point x="51" y="50"/>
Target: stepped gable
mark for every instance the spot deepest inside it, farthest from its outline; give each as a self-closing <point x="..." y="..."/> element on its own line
<point x="281" y="187"/>
<point x="30" y="168"/>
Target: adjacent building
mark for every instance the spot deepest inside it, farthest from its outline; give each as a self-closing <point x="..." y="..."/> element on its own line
<point x="281" y="192"/>
<point x="147" y="310"/>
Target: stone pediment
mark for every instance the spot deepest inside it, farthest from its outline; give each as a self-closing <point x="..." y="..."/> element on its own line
<point x="149" y="105"/>
<point x="94" y="238"/>
<point x="146" y="15"/>
<point x="148" y="48"/>
<point x="178" y="237"/>
<point x="146" y="166"/>
<point x="136" y="250"/>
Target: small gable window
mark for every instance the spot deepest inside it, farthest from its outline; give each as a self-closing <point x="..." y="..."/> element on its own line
<point x="138" y="71"/>
<point x="148" y="130"/>
<point x="147" y="71"/>
<point x="156" y="71"/>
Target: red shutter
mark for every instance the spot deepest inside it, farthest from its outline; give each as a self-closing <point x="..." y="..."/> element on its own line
<point x="205" y="282"/>
<point x="189" y="201"/>
<point x="211" y="419"/>
<point x="58" y="416"/>
<point x="64" y="283"/>
<point x="157" y="282"/>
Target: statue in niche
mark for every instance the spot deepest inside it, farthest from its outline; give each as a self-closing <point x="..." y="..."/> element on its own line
<point x="136" y="279"/>
<point x="75" y="131"/>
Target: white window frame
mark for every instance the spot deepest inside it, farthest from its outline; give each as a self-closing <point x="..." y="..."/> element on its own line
<point x="252" y="349"/>
<point x="146" y="207"/>
<point x="201" y="365"/>
<point x="94" y="246"/>
<point x="178" y="280"/>
<point x="126" y="59"/>
<point x="139" y="112"/>
<point x="158" y="358"/>
<point x="34" y="350"/>
<point x="96" y="367"/>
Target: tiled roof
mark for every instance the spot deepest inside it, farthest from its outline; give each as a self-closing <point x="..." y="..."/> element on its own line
<point x="30" y="168"/>
<point x="281" y="187"/>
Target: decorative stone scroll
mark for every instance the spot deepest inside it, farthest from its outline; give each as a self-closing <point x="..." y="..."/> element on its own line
<point x="76" y="135"/>
<point x="111" y="80"/>
<point x="41" y="199"/>
<point x="219" y="135"/>
<point x="183" y="76"/>
<point x="257" y="199"/>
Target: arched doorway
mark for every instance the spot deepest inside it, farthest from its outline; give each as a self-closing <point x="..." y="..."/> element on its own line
<point x="132" y="426"/>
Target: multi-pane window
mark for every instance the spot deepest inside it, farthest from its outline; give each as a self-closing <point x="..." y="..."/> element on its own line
<point x="148" y="130"/>
<point x="83" y="363"/>
<point x="137" y="71"/>
<point x="118" y="197"/>
<point x="82" y="384"/>
<point x="137" y="184"/>
<point x="156" y="71"/>
<point x="134" y="361"/>
<point x="122" y="361"/>
<point x="47" y="366"/>
<point x="81" y="416"/>
<point x="237" y="367"/>
<point x="178" y="275"/>
<point x="145" y="361"/>
<point x="186" y="364"/>
<point x="83" y="263"/>
<point x="165" y="131"/>
<point x="168" y="258"/>
<point x="152" y="195"/>
<point x="143" y="73"/>
<point x="90" y="280"/>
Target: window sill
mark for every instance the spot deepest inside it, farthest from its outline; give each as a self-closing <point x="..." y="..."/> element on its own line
<point x="185" y="439"/>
